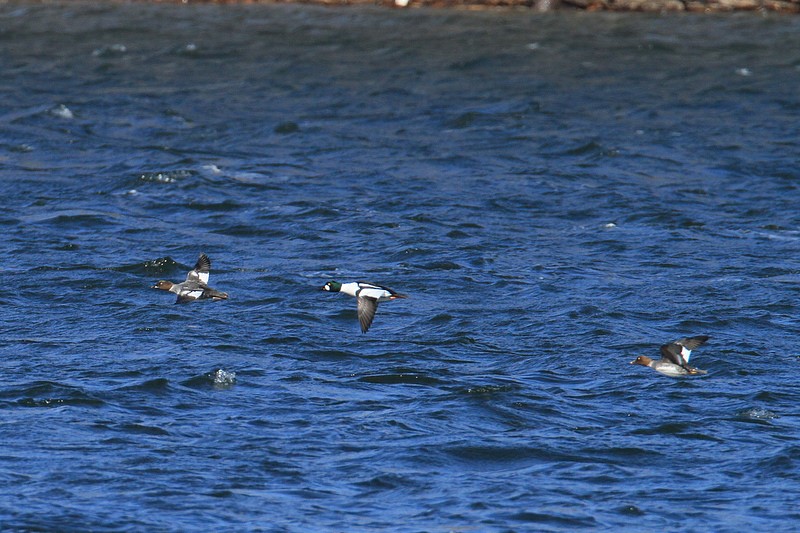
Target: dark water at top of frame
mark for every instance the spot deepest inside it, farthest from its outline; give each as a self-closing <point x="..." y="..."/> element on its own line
<point x="557" y="194"/>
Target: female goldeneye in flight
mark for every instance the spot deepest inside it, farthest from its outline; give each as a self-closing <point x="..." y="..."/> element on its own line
<point x="674" y="360"/>
<point x="196" y="285"/>
<point x="367" y="295"/>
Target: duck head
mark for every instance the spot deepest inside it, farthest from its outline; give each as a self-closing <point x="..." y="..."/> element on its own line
<point x="332" y="286"/>
<point x="163" y="285"/>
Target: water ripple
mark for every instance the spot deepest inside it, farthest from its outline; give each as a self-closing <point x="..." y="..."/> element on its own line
<point x="555" y="198"/>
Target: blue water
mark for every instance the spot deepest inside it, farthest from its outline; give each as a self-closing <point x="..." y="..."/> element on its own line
<point x="557" y="194"/>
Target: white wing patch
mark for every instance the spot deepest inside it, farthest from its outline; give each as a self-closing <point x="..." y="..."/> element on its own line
<point x="376" y="293"/>
<point x="189" y="295"/>
<point x="686" y="353"/>
<point x="200" y="270"/>
<point x="194" y="275"/>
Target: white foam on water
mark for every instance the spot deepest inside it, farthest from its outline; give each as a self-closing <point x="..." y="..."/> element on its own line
<point x="62" y="111"/>
<point x="223" y="378"/>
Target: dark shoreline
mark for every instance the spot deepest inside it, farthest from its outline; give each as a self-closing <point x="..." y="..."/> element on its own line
<point x="643" y="6"/>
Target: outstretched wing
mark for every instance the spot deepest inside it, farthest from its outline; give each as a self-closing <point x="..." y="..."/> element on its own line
<point x="201" y="270"/>
<point x="690" y="344"/>
<point x="680" y="351"/>
<point x="366" y="311"/>
<point x="673" y="353"/>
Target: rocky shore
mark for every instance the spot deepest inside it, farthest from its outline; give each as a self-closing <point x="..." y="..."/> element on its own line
<point x="653" y="6"/>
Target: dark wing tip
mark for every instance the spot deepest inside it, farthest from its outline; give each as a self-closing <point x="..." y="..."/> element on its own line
<point x="693" y="342"/>
<point x="203" y="263"/>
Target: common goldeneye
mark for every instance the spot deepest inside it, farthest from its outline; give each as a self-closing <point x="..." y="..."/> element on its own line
<point x="674" y="360"/>
<point x="196" y="285"/>
<point x="367" y="295"/>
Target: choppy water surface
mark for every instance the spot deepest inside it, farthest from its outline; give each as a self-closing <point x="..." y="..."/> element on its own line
<point x="557" y="194"/>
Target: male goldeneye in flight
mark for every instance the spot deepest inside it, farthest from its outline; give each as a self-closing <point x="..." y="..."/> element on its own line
<point x="674" y="360"/>
<point x="367" y="295"/>
<point x="196" y="285"/>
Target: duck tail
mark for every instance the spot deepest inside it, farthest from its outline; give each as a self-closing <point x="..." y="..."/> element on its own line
<point x="217" y="295"/>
